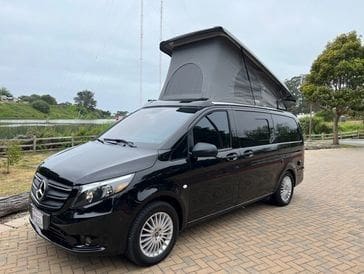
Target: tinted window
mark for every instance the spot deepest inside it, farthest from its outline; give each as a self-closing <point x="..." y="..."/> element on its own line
<point x="179" y="151"/>
<point x="149" y="125"/>
<point x="253" y="128"/>
<point x="213" y="129"/>
<point x="286" y="129"/>
<point x="220" y="121"/>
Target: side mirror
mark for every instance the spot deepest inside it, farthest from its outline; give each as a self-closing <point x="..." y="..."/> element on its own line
<point x="204" y="150"/>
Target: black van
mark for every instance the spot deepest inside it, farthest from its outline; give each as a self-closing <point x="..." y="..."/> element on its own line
<point x="173" y="163"/>
<point x="161" y="169"/>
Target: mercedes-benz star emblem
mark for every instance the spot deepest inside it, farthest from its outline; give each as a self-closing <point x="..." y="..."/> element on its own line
<point x="41" y="189"/>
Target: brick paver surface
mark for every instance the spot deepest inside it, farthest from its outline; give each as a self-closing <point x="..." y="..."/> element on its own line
<point x="320" y="231"/>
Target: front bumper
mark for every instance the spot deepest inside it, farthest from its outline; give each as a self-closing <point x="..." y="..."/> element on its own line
<point x="86" y="232"/>
<point x="59" y="239"/>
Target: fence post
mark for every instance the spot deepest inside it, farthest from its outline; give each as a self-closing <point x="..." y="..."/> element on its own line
<point x="358" y="134"/>
<point x="72" y="141"/>
<point x="322" y="136"/>
<point x="34" y="143"/>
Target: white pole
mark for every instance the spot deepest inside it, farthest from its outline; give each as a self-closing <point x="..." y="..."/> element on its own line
<point x="141" y="56"/>
<point x="310" y="124"/>
<point x="160" y="39"/>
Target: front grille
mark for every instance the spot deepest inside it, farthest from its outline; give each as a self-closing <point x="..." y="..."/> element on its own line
<point x="55" y="193"/>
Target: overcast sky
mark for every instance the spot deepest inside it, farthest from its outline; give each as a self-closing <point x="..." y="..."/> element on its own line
<point x="61" y="47"/>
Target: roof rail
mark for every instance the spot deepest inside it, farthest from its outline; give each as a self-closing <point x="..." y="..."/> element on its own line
<point x="246" y="105"/>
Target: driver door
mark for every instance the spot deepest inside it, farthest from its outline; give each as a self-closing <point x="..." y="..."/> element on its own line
<point x="212" y="180"/>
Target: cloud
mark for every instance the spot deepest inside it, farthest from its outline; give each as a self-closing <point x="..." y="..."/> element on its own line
<point x="61" y="47"/>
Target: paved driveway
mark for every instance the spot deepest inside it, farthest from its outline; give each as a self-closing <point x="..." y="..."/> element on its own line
<point x="353" y="142"/>
<point x="321" y="231"/>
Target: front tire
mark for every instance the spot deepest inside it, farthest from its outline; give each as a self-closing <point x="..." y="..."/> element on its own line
<point x="153" y="234"/>
<point x="284" y="193"/>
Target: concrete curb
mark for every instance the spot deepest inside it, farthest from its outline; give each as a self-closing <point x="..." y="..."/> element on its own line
<point x="15" y="223"/>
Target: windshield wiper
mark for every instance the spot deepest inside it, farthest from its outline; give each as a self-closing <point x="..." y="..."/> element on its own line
<point x="100" y="140"/>
<point x="118" y="141"/>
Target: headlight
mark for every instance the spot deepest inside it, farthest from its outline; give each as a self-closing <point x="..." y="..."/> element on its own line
<point x="94" y="192"/>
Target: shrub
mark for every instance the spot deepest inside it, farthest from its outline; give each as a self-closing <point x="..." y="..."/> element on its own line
<point x="327" y="116"/>
<point x="5" y="91"/>
<point x="13" y="155"/>
<point x="49" y="99"/>
<point x="41" y="106"/>
<point x="318" y="125"/>
<point x="351" y="126"/>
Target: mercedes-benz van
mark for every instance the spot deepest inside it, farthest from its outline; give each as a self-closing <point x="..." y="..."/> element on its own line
<point x="165" y="167"/>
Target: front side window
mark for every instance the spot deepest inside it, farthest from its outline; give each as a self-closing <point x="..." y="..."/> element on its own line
<point x="180" y="149"/>
<point x="151" y="126"/>
<point x="252" y="128"/>
<point x="214" y="129"/>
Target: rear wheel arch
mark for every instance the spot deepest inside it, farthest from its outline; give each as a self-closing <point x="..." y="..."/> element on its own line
<point x="290" y="170"/>
<point x="284" y="193"/>
<point x="293" y="174"/>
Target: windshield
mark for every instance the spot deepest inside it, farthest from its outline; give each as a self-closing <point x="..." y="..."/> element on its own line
<point x="149" y="125"/>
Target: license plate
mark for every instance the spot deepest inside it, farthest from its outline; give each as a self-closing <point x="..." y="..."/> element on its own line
<point x="38" y="217"/>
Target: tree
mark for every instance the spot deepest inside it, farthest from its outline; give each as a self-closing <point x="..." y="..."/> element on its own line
<point x="35" y="97"/>
<point x="4" y="91"/>
<point x="336" y="78"/>
<point x="49" y="99"/>
<point x="86" y="99"/>
<point x="31" y="98"/>
<point x="24" y="98"/>
<point x="121" y="113"/>
<point x="104" y="113"/>
<point x="301" y="105"/>
<point x="41" y="106"/>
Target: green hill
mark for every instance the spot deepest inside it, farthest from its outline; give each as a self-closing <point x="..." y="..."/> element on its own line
<point x="26" y="111"/>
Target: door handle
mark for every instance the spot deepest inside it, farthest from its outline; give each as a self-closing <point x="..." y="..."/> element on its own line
<point x="248" y="153"/>
<point x="232" y="156"/>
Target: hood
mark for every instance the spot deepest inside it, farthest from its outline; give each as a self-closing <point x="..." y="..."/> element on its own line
<point x="95" y="161"/>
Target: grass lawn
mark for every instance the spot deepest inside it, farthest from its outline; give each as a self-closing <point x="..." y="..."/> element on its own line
<point x="26" y="111"/>
<point x="20" y="178"/>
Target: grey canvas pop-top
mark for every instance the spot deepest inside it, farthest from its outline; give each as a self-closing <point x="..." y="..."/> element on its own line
<point x="212" y="64"/>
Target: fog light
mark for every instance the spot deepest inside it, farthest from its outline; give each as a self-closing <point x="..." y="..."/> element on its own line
<point x="88" y="241"/>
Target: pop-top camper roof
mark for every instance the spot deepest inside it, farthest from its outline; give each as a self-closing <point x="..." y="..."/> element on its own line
<point x="212" y="64"/>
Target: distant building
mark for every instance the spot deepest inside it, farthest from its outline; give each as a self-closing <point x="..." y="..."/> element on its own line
<point x="4" y="98"/>
<point x="119" y="117"/>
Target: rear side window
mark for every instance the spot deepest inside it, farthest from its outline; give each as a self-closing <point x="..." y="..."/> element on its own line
<point x="286" y="129"/>
<point x="214" y="129"/>
<point x="252" y="128"/>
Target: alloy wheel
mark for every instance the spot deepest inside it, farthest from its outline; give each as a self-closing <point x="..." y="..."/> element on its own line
<point x="286" y="189"/>
<point x="156" y="234"/>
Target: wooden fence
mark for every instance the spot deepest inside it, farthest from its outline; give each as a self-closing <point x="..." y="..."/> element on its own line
<point x="357" y="134"/>
<point x="57" y="143"/>
<point x="45" y="144"/>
